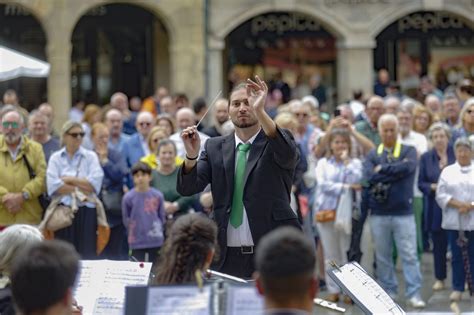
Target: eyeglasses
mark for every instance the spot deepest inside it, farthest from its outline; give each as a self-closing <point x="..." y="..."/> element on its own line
<point x="145" y="124"/>
<point x="12" y="124"/>
<point x="77" y="134"/>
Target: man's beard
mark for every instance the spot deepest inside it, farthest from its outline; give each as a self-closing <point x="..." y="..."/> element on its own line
<point x="244" y="125"/>
<point x="12" y="138"/>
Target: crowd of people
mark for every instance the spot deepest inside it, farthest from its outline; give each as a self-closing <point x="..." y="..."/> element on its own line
<point x="121" y="176"/>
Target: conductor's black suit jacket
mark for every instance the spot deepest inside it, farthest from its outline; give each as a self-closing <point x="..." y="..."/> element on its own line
<point x="267" y="184"/>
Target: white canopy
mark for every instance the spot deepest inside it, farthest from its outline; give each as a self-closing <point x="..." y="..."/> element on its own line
<point x="14" y="64"/>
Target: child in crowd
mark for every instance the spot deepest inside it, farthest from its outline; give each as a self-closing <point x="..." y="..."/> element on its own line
<point x="144" y="215"/>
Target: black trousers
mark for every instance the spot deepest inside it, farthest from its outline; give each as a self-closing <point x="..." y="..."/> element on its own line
<point x="440" y="247"/>
<point x="115" y="249"/>
<point x="142" y="254"/>
<point x="82" y="233"/>
<point x="238" y="264"/>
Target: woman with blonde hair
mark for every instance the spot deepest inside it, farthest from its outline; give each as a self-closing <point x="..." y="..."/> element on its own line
<point x="422" y="119"/>
<point x="157" y="134"/>
<point x="92" y="115"/>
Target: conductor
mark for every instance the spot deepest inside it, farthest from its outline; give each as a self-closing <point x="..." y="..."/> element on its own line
<point x="250" y="172"/>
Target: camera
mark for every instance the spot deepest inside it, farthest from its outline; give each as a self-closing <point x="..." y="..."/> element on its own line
<point x="380" y="192"/>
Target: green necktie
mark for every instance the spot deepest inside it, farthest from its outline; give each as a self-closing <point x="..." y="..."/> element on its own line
<point x="237" y="212"/>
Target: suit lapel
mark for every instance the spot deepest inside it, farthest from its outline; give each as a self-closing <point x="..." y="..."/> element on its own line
<point x="228" y="153"/>
<point x="256" y="151"/>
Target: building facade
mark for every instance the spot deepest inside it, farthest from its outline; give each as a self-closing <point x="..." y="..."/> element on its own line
<point x="200" y="47"/>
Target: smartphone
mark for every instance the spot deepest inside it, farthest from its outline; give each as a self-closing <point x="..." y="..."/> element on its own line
<point x="337" y="112"/>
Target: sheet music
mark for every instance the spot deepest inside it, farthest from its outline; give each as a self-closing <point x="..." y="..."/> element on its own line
<point x="366" y="293"/>
<point x="243" y="299"/>
<point x="101" y="284"/>
<point x="179" y="300"/>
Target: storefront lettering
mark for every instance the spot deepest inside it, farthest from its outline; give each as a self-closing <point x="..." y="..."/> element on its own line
<point x="283" y="23"/>
<point x="429" y="21"/>
<point x="352" y="2"/>
<point x="15" y="10"/>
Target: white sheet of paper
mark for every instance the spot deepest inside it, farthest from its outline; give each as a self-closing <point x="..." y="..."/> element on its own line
<point x="101" y="284"/>
<point x="366" y="290"/>
<point x="243" y="300"/>
<point x="179" y="301"/>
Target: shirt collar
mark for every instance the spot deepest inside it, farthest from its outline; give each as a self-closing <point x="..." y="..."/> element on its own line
<point x="251" y="140"/>
<point x="79" y="151"/>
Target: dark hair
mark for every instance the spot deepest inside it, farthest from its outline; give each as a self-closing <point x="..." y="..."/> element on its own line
<point x="285" y="260"/>
<point x="199" y="104"/>
<point x="190" y="239"/>
<point x="141" y="167"/>
<point x="241" y="85"/>
<point x="166" y="142"/>
<point x="51" y="264"/>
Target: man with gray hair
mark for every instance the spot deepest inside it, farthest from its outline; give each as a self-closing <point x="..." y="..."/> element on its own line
<point x="39" y="131"/>
<point x="368" y="126"/>
<point x="185" y="118"/>
<point x="119" y="101"/>
<point x="389" y="171"/>
<point x="114" y="122"/>
<point x="391" y="104"/>
<point x="451" y="109"/>
<point x="19" y="188"/>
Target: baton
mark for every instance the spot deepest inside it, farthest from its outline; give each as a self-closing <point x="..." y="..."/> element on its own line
<point x="210" y="106"/>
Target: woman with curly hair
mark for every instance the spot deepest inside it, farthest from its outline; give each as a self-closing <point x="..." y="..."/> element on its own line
<point x="188" y="250"/>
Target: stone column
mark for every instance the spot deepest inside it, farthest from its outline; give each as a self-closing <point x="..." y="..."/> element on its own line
<point x="59" y="81"/>
<point x="355" y="67"/>
<point x="215" y="70"/>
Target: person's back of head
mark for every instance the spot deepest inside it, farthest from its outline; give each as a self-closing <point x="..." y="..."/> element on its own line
<point x="43" y="277"/>
<point x="285" y="266"/>
<point x="188" y="250"/>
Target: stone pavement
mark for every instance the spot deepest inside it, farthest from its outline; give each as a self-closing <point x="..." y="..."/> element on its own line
<point x="436" y="302"/>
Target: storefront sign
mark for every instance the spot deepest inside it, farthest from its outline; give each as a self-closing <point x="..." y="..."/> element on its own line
<point x="281" y="24"/>
<point x="429" y="21"/>
<point x="352" y="2"/>
<point x="15" y="10"/>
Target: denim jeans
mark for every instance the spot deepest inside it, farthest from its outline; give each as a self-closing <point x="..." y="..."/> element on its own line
<point x="402" y="229"/>
<point x="457" y="263"/>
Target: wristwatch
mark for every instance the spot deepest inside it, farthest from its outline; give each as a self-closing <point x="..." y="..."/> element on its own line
<point x="26" y="196"/>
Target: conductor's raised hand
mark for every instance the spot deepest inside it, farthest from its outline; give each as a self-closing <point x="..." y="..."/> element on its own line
<point x="192" y="141"/>
<point x="257" y="91"/>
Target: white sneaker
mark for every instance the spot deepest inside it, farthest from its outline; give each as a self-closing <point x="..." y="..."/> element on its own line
<point x="438" y="285"/>
<point x="416" y="302"/>
<point x="455" y="296"/>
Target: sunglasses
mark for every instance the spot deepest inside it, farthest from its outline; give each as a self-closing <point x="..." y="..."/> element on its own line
<point x="301" y="114"/>
<point x="12" y="124"/>
<point x="77" y="134"/>
<point x="145" y="124"/>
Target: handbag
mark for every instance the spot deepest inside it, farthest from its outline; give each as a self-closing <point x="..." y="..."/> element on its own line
<point x="43" y="199"/>
<point x="61" y="217"/>
<point x="112" y="201"/>
<point x="328" y="215"/>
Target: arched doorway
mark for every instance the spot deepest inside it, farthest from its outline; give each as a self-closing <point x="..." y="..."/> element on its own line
<point x="438" y="44"/>
<point x="21" y="31"/>
<point x="292" y="45"/>
<point x="117" y="47"/>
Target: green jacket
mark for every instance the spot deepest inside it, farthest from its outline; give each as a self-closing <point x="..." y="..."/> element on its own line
<point x="14" y="178"/>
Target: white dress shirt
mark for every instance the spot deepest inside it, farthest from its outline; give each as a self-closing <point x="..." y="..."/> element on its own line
<point x="419" y="142"/>
<point x="456" y="182"/>
<point x="241" y="236"/>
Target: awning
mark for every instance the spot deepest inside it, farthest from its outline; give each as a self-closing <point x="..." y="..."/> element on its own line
<point x="14" y="64"/>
